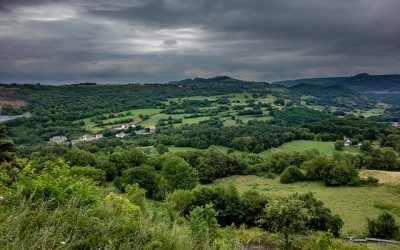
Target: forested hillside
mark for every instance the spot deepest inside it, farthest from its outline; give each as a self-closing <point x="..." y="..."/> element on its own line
<point x="381" y="87"/>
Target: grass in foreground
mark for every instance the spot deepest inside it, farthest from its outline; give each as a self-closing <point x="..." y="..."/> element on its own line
<point x="353" y="204"/>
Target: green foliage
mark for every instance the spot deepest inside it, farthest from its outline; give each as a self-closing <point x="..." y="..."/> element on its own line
<point x="298" y="115"/>
<point x="383" y="227"/>
<point x="212" y="164"/>
<point x="334" y="171"/>
<point x="6" y="146"/>
<point x="147" y="178"/>
<point x="324" y="243"/>
<point x="254" y="137"/>
<point x="296" y="214"/>
<point x="56" y="183"/>
<point x="285" y="215"/>
<point x="382" y="159"/>
<point x="366" y="146"/>
<point x="179" y="174"/>
<point x="135" y="194"/>
<point x="96" y="175"/>
<point x="252" y="204"/>
<point x="180" y="201"/>
<point x="339" y="145"/>
<point x="203" y="224"/>
<point x="122" y="206"/>
<point x="226" y="201"/>
<point x="291" y="174"/>
<point x="161" y="149"/>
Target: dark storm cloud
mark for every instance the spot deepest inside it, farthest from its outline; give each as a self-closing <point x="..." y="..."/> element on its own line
<point x="161" y="40"/>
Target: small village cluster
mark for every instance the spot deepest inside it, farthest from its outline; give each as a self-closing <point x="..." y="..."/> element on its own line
<point x="123" y="128"/>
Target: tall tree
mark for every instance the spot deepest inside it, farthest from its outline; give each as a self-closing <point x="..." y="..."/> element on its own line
<point x="6" y="146"/>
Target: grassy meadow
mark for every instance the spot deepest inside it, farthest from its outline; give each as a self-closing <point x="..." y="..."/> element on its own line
<point x="302" y="145"/>
<point x="353" y="204"/>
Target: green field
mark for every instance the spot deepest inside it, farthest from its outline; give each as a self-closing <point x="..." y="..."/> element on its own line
<point x="195" y="120"/>
<point x="353" y="204"/>
<point x="373" y="112"/>
<point x="247" y="118"/>
<point x="89" y="125"/>
<point x="302" y="145"/>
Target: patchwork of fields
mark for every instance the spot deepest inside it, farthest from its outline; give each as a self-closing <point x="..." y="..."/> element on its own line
<point x="152" y="116"/>
<point x="195" y="109"/>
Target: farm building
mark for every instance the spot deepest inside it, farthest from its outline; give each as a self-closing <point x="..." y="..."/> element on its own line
<point x="347" y="141"/>
<point x="58" y="139"/>
<point x="120" y="135"/>
<point x="91" y="137"/>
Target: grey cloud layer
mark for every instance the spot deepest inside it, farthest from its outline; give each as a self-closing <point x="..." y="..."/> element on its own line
<point x="161" y="40"/>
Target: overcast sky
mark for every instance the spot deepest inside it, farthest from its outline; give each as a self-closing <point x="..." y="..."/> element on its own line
<point x="121" y="41"/>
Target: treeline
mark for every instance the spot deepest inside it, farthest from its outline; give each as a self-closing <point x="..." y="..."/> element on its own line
<point x="57" y="110"/>
<point x="297" y="115"/>
<point x="361" y="129"/>
<point x="337" y="96"/>
<point x="254" y="137"/>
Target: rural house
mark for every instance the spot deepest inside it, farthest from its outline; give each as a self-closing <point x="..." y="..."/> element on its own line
<point x="58" y="139"/>
<point x="120" y="135"/>
<point x="347" y="141"/>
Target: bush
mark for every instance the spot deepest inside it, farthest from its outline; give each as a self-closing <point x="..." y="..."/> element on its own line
<point x="339" y="145"/>
<point x="203" y="224"/>
<point x="291" y="175"/>
<point x="341" y="175"/>
<point x="334" y="171"/>
<point x="147" y="178"/>
<point x="297" y="214"/>
<point x="226" y="201"/>
<point x="89" y="172"/>
<point x="179" y="174"/>
<point x="180" y="201"/>
<point x="384" y="227"/>
<point x="56" y="184"/>
<point x="122" y="206"/>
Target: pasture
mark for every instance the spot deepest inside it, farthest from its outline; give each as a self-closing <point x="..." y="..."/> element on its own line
<point x="302" y="145"/>
<point x="353" y="204"/>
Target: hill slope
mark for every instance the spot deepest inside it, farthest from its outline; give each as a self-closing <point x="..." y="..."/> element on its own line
<point x="381" y="87"/>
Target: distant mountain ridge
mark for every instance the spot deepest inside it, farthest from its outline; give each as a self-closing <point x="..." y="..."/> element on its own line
<point x="213" y="80"/>
<point x="361" y="83"/>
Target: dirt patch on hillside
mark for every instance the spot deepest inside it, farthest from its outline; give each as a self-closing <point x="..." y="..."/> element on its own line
<point x="8" y="91"/>
<point x="8" y="97"/>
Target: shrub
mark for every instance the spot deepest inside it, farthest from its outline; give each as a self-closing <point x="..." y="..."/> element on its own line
<point x="122" y="205"/>
<point x="340" y="175"/>
<point x="179" y="174"/>
<point x="225" y="200"/>
<point x="252" y="204"/>
<point x="203" y="224"/>
<point x="384" y="227"/>
<point x="180" y="200"/>
<point x="147" y="178"/>
<point x="55" y="183"/>
<point x="96" y="175"/>
<point x="298" y="214"/>
<point x="339" y="145"/>
<point x="291" y="175"/>
<point x="135" y="194"/>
